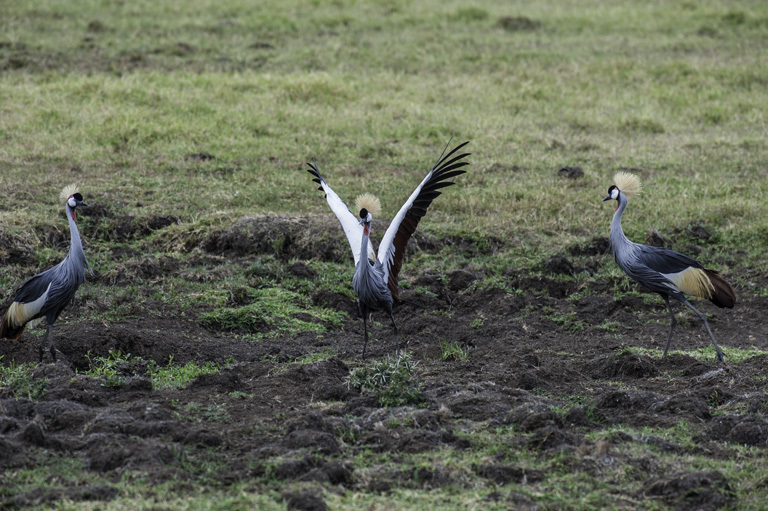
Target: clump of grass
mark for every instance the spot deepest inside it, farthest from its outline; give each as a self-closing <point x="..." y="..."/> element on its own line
<point x="109" y="368"/>
<point x="116" y="366"/>
<point x="391" y="379"/>
<point x="310" y="358"/>
<point x="17" y="378"/>
<point x="451" y="350"/>
<point x="177" y="377"/>
<point x="568" y="321"/>
<point x="707" y="353"/>
<point x="275" y="312"/>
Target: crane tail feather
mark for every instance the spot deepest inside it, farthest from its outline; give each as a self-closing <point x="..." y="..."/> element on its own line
<point x="8" y="330"/>
<point x="706" y="284"/>
<point x="722" y="293"/>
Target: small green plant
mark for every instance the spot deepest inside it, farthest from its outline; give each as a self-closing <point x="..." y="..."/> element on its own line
<point x="179" y="376"/>
<point x="348" y="434"/>
<point x="423" y="290"/>
<point x="568" y="321"/>
<point x="18" y="379"/>
<point x="453" y="351"/>
<point x="391" y="379"/>
<point x="108" y="368"/>
<point x="609" y="326"/>
<point x="478" y="322"/>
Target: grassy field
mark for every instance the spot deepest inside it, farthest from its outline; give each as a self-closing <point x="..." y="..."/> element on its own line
<point x="124" y="97"/>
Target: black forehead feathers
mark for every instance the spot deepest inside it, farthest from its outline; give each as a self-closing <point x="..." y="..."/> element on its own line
<point x="78" y="197"/>
<point x="363" y="213"/>
<point x="610" y="189"/>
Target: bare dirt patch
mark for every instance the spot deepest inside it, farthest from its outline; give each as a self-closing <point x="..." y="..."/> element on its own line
<point x="265" y="416"/>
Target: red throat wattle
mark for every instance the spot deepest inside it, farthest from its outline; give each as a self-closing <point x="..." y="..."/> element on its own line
<point x="366" y="229"/>
<point x="74" y="216"/>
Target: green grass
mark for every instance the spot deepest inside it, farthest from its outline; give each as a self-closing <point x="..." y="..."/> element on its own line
<point x="733" y="355"/>
<point x="177" y="376"/>
<point x="18" y="380"/>
<point x="275" y="312"/>
<point x="117" y="366"/>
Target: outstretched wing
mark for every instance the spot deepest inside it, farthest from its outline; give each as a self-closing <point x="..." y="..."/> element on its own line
<point x="395" y="240"/>
<point x="349" y="222"/>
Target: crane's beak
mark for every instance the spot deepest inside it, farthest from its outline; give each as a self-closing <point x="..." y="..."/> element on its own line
<point x="366" y="227"/>
<point x="607" y="197"/>
<point x="366" y="223"/>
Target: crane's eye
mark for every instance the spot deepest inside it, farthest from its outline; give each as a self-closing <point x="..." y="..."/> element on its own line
<point x="72" y="202"/>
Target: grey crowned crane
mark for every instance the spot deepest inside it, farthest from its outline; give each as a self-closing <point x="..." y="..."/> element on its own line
<point x="46" y="294"/>
<point x="664" y="271"/>
<point x="375" y="281"/>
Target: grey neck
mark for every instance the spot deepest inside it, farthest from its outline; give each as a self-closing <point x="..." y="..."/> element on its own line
<point x="76" y="245"/>
<point x="617" y="233"/>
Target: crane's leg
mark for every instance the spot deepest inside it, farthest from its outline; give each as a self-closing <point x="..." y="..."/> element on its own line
<point x="364" y="313"/>
<point x="49" y="338"/>
<point x="672" y="324"/>
<point x="706" y="326"/>
<point x="397" y="335"/>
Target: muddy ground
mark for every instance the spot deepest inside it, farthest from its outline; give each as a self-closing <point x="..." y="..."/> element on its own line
<point x="556" y="381"/>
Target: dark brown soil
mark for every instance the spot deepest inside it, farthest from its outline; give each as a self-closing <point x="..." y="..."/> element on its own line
<point x="554" y="382"/>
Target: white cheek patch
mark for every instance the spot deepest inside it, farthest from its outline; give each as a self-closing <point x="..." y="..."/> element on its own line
<point x="72" y="202"/>
<point x="615" y="193"/>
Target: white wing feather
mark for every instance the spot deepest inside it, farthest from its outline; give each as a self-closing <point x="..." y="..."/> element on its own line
<point x="349" y="222"/>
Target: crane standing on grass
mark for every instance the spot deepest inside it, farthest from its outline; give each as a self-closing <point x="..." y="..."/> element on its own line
<point x="664" y="271"/>
<point x="375" y="280"/>
<point x="47" y="293"/>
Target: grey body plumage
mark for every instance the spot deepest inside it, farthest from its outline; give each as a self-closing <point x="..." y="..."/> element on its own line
<point x="373" y="294"/>
<point x="375" y="281"/>
<point x="667" y="272"/>
<point x="46" y="294"/>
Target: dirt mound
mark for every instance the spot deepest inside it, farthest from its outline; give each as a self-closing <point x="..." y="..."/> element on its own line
<point x="625" y="364"/>
<point x="284" y="237"/>
<point x="692" y="490"/>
